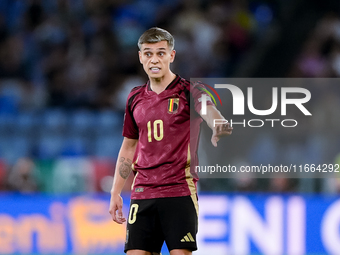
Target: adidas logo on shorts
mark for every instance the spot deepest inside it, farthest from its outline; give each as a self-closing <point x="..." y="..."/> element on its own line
<point x="188" y="238"/>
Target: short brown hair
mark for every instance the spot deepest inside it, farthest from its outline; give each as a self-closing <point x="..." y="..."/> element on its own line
<point x="154" y="35"/>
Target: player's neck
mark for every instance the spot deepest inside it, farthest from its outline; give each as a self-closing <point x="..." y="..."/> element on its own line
<point x="158" y="85"/>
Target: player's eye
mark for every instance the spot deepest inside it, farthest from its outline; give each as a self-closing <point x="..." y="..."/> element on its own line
<point x="148" y="54"/>
<point x="161" y="54"/>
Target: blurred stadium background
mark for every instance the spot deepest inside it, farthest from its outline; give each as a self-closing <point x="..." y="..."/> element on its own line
<point x="66" y="68"/>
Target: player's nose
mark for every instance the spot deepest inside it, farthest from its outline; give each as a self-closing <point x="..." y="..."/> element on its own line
<point x="154" y="60"/>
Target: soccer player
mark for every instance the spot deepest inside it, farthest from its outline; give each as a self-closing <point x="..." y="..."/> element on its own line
<point x="158" y="147"/>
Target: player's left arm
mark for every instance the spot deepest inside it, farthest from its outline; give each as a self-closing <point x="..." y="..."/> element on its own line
<point x="219" y="130"/>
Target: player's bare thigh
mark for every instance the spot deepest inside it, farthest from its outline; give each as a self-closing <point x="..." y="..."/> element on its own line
<point x="140" y="252"/>
<point x="180" y="252"/>
<point x="172" y="252"/>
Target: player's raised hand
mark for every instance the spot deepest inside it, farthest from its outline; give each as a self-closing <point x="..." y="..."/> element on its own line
<point x="116" y="209"/>
<point x="219" y="131"/>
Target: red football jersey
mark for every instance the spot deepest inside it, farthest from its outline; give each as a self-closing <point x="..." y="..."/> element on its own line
<point x="161" y="123"/>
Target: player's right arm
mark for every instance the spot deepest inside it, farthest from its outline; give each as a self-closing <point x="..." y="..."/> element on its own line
<point x="122" y="172"/>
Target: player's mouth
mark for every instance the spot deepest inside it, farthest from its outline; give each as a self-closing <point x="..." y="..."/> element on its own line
<point x="155" y="69"/>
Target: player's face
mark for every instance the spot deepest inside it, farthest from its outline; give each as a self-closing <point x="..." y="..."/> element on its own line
<point x="156" y="58"/>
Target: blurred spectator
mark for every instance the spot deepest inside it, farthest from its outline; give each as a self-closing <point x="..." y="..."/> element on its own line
<point x="282" y="184"/>
<point x="312" y="63"/>
<point x="332" y="184"/>
<point x="22" y="177"/>
<point x="320" y="55"/>
<point x="337" y="175"/>
<point x="3" y="176"/>
<point x="245" y="184"/>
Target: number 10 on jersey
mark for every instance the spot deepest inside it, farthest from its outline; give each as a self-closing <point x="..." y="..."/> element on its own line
<point x="157" y="127"/>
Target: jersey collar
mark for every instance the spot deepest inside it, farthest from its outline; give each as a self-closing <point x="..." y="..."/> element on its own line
<point x="170" y="86"/>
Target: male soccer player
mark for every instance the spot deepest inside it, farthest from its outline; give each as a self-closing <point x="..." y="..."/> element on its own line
<point x="156" y="147"/>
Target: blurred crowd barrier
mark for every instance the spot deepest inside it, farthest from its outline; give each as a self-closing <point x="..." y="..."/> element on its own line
<point x="59" y="151"/>
<point x="229" y="224"/>
<point x="60" y="176"/>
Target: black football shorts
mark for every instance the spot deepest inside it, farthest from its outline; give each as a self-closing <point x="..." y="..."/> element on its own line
<point x="153" y="221"/>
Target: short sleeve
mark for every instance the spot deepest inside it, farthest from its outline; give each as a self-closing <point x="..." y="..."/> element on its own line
<point x="130" y="128"/>
<point x="197" y="89"/>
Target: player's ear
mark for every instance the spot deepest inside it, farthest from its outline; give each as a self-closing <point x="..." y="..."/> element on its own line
<point x="172" y="56"/>
<point x="140" y="57"/>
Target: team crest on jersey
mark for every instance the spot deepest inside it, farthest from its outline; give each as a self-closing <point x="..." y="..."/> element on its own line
<point x="173" y="104"/>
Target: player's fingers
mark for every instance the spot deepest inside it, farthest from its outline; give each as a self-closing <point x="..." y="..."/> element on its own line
<point x="120" y="215"/>
<point x="227" y="129"/>
<point x="113" y="215"/>
<point x="226" y="126"/>
<point x="214" y="140"/>
<point x="118" y="219"/>
<point x="120" y="211"/>
<point x="217" y="129"/>
<point x="222" y="129"/>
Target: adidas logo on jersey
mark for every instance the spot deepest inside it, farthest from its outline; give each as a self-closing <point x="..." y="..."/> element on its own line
<point x="188" y="238"/>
